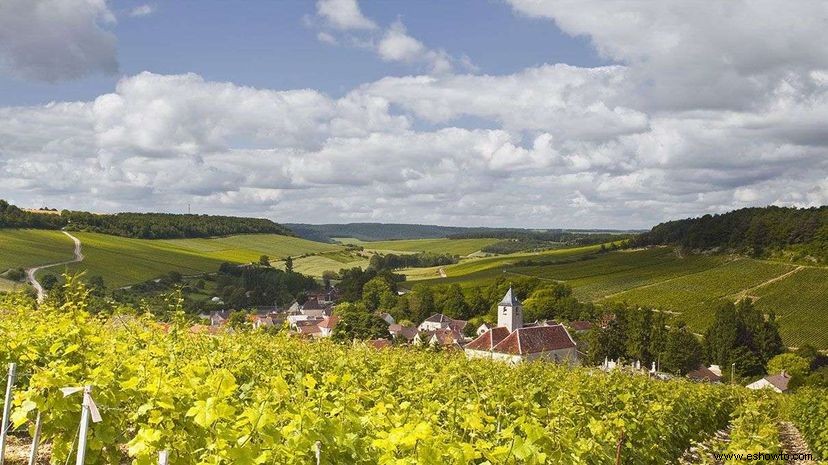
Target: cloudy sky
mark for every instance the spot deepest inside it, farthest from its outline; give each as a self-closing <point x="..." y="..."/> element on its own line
<point x="532" y="113"/>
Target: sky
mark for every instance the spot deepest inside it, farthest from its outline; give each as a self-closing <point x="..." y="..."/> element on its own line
<point x="518" y="113"/>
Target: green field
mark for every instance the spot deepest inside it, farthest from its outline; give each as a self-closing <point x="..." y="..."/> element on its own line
<point x="24" y="248"/>
<point x="800" y="302"/>
<point x="690" y="285"/>
<point x="460" y="247"/>
<point x="122" y="261"/>
<point x="316" y="265"/>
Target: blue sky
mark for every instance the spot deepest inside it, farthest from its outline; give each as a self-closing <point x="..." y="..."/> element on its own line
<point x="534" y="113"/>
<point x="269" y="44"/>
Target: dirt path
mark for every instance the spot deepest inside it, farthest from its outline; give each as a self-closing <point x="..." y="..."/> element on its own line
<point x="793" y="443"/>
<point x="442" y="272"/>
<point x="746" y="292"/>
<point x="31" y="273"/>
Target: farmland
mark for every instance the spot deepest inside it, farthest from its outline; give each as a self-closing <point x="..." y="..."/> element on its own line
<point x="316" y="265"/>
<point x="122" y="261"/>
<point x="23" y="248"/>
<point x="690" y="285"/>
<point x="460" y="247"/>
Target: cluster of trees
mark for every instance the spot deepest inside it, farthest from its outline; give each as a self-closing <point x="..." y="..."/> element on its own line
<point x="417" y="260"/>
<point x="757" y="231"/>
<point x="13" y="217"/>
<point x="741" y="334"/>
<point x="139" y="225"/>
<point x="253" y="285"/>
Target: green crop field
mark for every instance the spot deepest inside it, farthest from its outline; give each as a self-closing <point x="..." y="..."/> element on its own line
<point x="800" y="302"/>
<point x="122" y="261"/>
<point x="23" y="248"/>
<point x="316" y="265"/>
<point x="695" y="296"/>
<point x="460" y="247"/>
<point x="249" y="247"/>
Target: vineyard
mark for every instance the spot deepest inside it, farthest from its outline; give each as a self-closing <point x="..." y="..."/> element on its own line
<point x="248" y="398"/>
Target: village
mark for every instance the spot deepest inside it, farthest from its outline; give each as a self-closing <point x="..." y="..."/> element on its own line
<point x="510" y="340"/>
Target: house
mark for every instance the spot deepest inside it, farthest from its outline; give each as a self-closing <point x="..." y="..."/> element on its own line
<point x="388" y="318"/>
<point x="314" y="308"/>
<point x="434" y="322"/>
<point x="327" y="325"/>
<point x="778" y="383"/>
<point x="483" y="328"/>
<point x="444" y="337"/>
<point x="458" y="325"/>
<point x="704" y="374"/>
<point x="262" y="321"/>
<point x="380" y="344"/>
<point x="308" y="328"/>
<point x="407" y="333"/>
<point x="295" y="320"/>
<point x="511" y="342"/>
<point x="219" y="318"/>
<point x="482" y="346"/>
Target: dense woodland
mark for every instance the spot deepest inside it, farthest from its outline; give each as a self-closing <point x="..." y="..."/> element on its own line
<point x="803" y="232"/>
<point x="139" y="225"/>
<point x="415" y="260"/>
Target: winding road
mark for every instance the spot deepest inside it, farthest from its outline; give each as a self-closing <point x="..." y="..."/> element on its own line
<point x="32" y="272"/>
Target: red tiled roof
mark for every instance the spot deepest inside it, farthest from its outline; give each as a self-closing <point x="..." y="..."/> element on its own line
<point x="489" y="339"/>
<point x="308" y="329"/>
<point x="438" y="318"/>
<point x="458" y="325"/>
<point x="380" y="343"/>
<point x="524" y="341"/>
<point x="329" y="322"/>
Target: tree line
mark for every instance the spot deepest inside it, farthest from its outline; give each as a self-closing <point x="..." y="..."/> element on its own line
<point x="139" y="225"/>
<point x="755" y="231"/>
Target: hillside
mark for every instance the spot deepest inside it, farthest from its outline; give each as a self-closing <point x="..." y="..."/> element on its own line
<point x="689" y="286"/>
<point x="797" y="233"/>
<point x="387" y="232"/>
<point x="137" y="225"/>
<point x="351" y="403"/>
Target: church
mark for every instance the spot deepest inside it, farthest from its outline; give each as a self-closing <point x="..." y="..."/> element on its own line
<point x="510" y="341"/>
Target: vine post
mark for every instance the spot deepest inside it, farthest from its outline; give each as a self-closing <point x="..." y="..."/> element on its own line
<point x="7" y="410"/>
<point x="84" y="425"/>
<point x="36" y="439"/>
<point x="163" y="457"/>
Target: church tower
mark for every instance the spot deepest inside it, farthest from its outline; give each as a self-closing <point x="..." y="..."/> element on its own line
<point x="510" y="312"/>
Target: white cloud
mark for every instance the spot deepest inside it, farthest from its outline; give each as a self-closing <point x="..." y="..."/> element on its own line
<point x="723" y="55"/>
<point x="142" y="10"/>
<point x="71" y="39"/>
<point x="397" y="45"/>
<point x="343" y="14"/>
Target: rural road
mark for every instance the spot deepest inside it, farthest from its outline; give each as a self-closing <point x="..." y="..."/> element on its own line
<point x="31" y="272"/>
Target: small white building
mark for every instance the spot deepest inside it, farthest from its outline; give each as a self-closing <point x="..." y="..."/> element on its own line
<point x="435" y="322"/>
<point x="777" y="383"/>
<point x="483" y="328"/>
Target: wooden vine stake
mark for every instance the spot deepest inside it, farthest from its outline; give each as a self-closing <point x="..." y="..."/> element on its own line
<point x="318" y="451"/>
<point x="618" y="448"/>
<point x="36" y="439"/>
<point x="7" y="410"/>
<point x="164" y="457"/>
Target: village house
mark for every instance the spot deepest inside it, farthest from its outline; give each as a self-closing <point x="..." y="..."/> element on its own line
<point x="483" y="328"/>
<point x="440" y="321"/>
<point x="314" y="308"/>
<point x="387" y="318"/>
<point x="704" y="374"/>
<point x="511" y="342"/>
<point x="327" y="325"/>
<point x="405" y="333"/>
<point x="777" y="383"/>
<point x="444" y="337"/>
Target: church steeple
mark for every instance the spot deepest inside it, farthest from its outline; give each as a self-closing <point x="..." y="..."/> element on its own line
<point x="510" y="312"/>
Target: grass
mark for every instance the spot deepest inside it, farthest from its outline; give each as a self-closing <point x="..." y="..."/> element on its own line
<point x="695" y="296"/>
<point x="460" y="247"/>
<point x="122" y="261"/>
<point x="24" y="248"/>
<point x="800" y="302"/>
<point x="10" y="286"/>
<point x="316" y="265"/>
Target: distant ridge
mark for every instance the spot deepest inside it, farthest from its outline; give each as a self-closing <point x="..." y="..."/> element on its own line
<point x="394" y="231"/>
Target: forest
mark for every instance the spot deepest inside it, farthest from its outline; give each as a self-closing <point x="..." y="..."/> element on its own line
<point x="139" y="225"/>
<point x="759" y="232"/>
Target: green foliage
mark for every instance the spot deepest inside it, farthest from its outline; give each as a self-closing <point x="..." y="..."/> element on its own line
<point x="249" y="397"/>
<point x="682" y="351"/>
<point x="416" y="260"/>
<point x="757" y="231"/>
<point x="358" y="322"/>
<point x="809" y="409"/>
<point x="754" y="428"/>
<point x="792" y="364"/>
